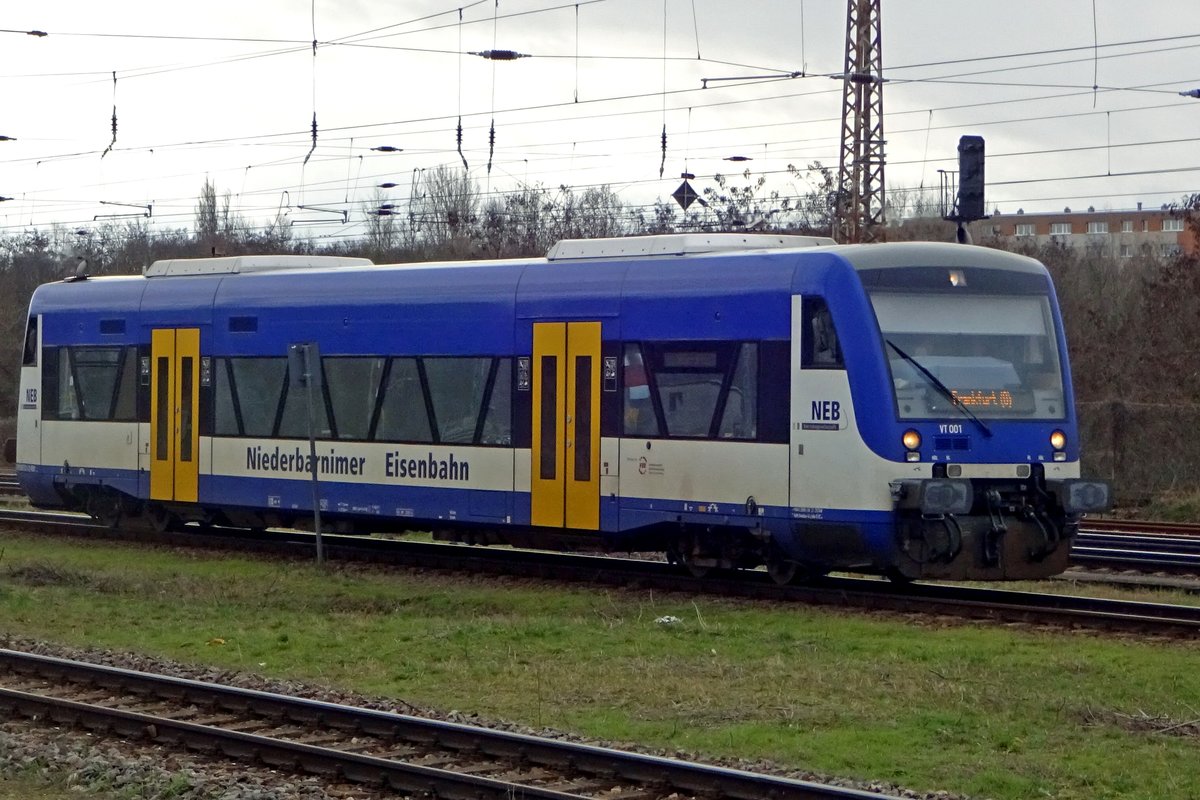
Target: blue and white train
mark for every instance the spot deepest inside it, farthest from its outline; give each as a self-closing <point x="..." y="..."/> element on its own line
<point x="732" y="401"/>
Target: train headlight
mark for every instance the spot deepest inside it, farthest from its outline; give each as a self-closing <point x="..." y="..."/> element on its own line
<point x="1058" y="440"/>
<point x="911" y="441"/>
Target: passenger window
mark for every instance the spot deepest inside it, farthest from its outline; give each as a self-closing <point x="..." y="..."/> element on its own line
<point x="497" y="425"/>
<point x="456" y="387"/>
<point x="92" y="383"/>
<point x="125" y="408"/>
<point x="353" y="386"/>
<point x="294" y="422"/>
<point x="257" y="387"/>
<point x="820" y="347"/>
<point x="639" y="418"/>
<point x="689" y="384"/>
<point x="95" y="374"/>
<point x="226" y="422"/>
<point x="691" y="390"/>
<point x="67" y="405"/>
<point x="740" y="418"/>
<point x="403" y="416"/>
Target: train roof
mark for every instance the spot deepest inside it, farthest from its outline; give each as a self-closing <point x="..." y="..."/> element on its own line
<point x="228" y="265"/>
<point x="934" y="254"/>
<point x="665" y="247"/>
<point x="712" y="289"/>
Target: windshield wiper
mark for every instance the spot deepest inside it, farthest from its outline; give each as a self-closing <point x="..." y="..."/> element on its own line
<point x="941" y="387"/>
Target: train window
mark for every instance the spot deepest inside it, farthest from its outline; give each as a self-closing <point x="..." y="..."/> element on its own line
<point x="640" y="419"/>
<point x="548" y="453"/>
<point x="353" y="385"/>
<point x="125" y="407"/>
<point x="226" y="422"/>
<point x="90" y="383"/>
<point x="693" y="390"/>
<point x="996" y="353"/>
<point x="403" y="416"/>
<point x="29" y="356"/>
<point x="258" y="385"/>
<point x="820" y="348"/>
<point x="456" y="387"/>
<point x="497" y="424"/>
<point x="95" y="372"/>
<point x="60" y="401"/>
<point x="740" y="417"/>
<point x="583" y="418"/>
<point x="689" y="378"/>
<point x="186" y="407"/>
<point x="162" y="395"/>
<point x="293" y="422"/>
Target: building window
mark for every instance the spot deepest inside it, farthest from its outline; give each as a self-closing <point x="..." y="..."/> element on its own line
<point x="1127" y="226"/>
<point x="1172" y="224"/>
<point x="1026" y="229"/>
<point x="1060" y="228"/>
<point x="1126" y="251"/>
<point x="1170" y="249"/>
<point x="1097" y="227"/>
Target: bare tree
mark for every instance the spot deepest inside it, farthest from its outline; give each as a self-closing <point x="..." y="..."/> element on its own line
<point x="381" y="226"/>
<point x="448" y="211"/>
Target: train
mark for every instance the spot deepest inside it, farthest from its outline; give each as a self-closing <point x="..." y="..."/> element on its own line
<point x="736" y="401"/>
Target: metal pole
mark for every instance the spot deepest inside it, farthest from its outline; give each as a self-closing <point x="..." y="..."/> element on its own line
<point x="312" y="449"/>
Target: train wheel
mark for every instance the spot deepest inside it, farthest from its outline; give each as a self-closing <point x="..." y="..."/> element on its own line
<point x="161" y="520"/>
<point x="784" y="571"/>
<point x="105" y="508"/>
<point x="684" y="555"/>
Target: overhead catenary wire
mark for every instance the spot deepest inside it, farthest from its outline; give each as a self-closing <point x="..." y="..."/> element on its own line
<point x="628" y="97"/>
<point x="114" y="117"/>
<point x="689" y="105"/>
<point x="313" y="6"/>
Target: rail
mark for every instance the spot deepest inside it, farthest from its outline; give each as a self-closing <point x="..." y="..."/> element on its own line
<point x="366" y="746"/>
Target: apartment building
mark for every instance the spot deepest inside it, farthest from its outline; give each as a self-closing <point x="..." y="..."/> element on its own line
<point x="1121" y="234"/>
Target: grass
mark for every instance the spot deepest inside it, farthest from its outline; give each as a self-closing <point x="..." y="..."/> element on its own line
<point x="33" y="788"/>
<point x="1174" y="506"/>
<point x="986" y="710"/>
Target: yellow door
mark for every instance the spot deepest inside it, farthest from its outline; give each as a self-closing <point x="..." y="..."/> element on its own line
<point x="565" y="483"/>
<point x="174" y="407"/>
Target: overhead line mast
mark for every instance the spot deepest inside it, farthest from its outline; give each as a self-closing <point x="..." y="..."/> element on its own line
<point x="860" y="195"/>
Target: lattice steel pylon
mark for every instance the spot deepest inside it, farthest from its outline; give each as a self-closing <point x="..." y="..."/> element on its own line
<point x="860" y="198"/>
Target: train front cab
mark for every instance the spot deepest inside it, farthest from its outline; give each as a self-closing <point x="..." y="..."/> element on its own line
<point x="947" y="405"/>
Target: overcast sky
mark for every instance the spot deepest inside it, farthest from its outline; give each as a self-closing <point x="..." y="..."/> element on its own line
<point x="227" y="90"/>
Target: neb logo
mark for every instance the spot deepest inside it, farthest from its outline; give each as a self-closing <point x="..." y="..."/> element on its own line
<point x="826" y="410"/>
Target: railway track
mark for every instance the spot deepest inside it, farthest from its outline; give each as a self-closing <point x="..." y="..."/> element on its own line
<point x="861" y="593"/>
<point x="1145" y="551"/>
<point x="1133" y="526"/>
<point x="407" y="754"/>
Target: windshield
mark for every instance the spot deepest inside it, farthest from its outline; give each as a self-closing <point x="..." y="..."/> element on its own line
<point x="996" y="354"/>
